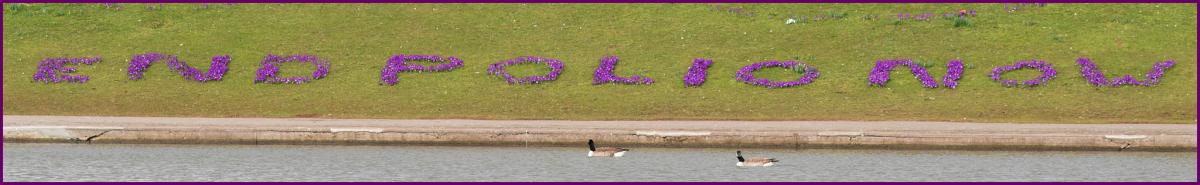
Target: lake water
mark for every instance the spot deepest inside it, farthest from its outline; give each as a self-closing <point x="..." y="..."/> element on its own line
<point x="111" y="162"/>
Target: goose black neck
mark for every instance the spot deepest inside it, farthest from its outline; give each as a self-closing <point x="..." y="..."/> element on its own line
<point x="739" y="155"/>
<point x="591" y="145"/>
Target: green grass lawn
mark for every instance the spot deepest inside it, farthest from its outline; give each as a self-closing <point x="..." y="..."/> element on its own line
<point x="654" y="40"/>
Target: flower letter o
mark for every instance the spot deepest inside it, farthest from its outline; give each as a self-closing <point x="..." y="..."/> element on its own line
<point x="1047" y="70"/>
<point x="556" y="67"/>
<point x="746" y="74"/>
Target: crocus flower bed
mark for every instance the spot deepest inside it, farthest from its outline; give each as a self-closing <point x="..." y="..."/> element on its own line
<point x="1017" y="6"/>
<point x="556" y="68"/>
<point x="735" y="10"/>
<point x="53" y="70"/>
<point x="929" y="16"/>
<point x="604" y="74"/>
<point x="819" y="17"/>
<point x="1096" y="77"/>
<point x="881" y="74"/>
<point x="746" y="74"/>
<point x="961" y="13"/>
<point x="398" y="63"/>
<point x="269" y="73"/>
<point x="954" y="71"/>
<point x="1047" y="70"/>
<point x="918" y="17"/>
<point x="139" y="63"/>
<point x="698" y="73"/>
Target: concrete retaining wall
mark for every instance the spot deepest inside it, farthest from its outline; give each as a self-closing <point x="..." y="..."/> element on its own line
<point x="962" y="136"/>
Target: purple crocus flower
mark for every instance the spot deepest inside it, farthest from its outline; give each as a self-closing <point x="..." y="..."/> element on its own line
<point x="698" y="73"/>
<point x="398" y="63"/>
<point x="269" y="71"/>
<point x="556" y="68"/>
<point x="924" y="16"/>
<point x="746" y="74"/>
<point x="1047" y="70"/>
<point x="881" y="74"/>
<point x="53" y="70"/>
<point x="217" y="69"/>
<point x="954" y="71"/>
<point x="604" y="74"/>
<point x="1095" y="76"/>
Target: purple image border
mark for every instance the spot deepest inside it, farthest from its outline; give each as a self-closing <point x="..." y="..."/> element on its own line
<point x="593" y="1"/>
<point x="603" y="183"/>
<point x="2" y="9"/>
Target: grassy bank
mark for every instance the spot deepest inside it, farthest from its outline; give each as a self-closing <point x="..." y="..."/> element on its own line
<point x="655" y="40"/>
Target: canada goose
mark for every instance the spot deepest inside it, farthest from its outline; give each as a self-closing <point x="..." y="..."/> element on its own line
<point x="604" y="151"/>
<point x="757" y="161"/>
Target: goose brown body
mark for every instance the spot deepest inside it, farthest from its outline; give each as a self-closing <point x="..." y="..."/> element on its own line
<point x="754" y="161"/>
<point x="759" y="161"/>
<point x="604" y="151"/>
